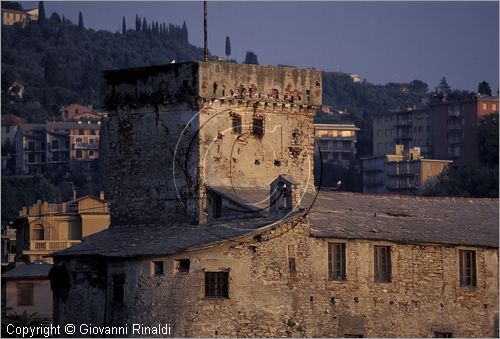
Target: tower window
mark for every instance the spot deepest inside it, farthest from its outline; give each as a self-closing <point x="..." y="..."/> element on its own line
<point x="236" y="124"/>
<point x="258" y="127"/>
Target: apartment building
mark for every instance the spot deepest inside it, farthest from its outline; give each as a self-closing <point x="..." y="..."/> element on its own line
<point x="455" y="129"/>
<point x="45" y="227"/>
<point x="405" y="173"/>
<point x="411" y="127"/>
<point x="65" y="146"/>
<point x="336" y="142"/>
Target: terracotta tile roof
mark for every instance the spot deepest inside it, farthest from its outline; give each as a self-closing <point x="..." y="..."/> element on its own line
<point x="11" y="120"/>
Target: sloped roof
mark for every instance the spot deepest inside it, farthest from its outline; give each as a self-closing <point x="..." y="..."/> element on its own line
<point x="26" y="271"/>
<point x="11" y="120"/>
<point x="153" y="240"/>
<point x="343" y="215"/>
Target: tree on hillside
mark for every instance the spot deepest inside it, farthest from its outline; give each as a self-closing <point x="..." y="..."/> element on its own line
<point x="41" y="12"/>
<point x="124" y="26"/>
<point x="228" y="47"/>
<point x="251" y="58"/>
<point x="484" y="88"/>
<point x="144" y="25"/>
<point x="184" y="32"/>
<point x="12" y="5"/>
<point x="80" y="21"/>
<point x="488" y="140"/>
<point x="443" y="87"/>
<point x="137" y="23"/>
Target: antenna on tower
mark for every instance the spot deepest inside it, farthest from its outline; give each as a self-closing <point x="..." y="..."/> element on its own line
<point x="205" y="42"/>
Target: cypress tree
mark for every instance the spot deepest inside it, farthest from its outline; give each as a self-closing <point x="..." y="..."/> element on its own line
<point x="228" y="47"/>
<point x="80" y="20"/>
<point x="144" y="25"/>
<point x="184" y="33"/>
<point x="137" y="23"/>
<point x="41" y="12"/>
<point x="124" y="26"/>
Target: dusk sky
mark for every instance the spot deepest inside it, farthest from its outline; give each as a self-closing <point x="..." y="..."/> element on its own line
<point x="380" y="41"/>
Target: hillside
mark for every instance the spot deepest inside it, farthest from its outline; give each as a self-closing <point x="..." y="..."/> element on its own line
<point x="61" y="63"/>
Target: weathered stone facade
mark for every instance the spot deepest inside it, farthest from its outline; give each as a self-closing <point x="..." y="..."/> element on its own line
<point x="201" y="241"/>
<point x="177" y="124"/>
<point x="266" y="300"/>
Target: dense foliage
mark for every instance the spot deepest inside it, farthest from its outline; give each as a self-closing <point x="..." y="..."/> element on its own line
<point x="61" y="63"/>
<point x="474" y="182"/>
<point x="22" y="191"/>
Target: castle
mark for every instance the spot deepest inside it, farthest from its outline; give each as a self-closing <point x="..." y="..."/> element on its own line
<point x="217" y="228"/>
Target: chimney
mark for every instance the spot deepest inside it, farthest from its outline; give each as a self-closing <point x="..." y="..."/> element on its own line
<point x="101" y="195"/>
<point x="74" y="193"/>
<point x="415" y="153"/>
<point x="284" y="195"/>
<point x="400" y="149"/>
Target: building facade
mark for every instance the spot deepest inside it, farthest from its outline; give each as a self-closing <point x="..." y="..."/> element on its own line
<point x="216" y="230"/>
<point x="455" y="129"/>
<point x="77" y="112"/>
<point x="12" y="16"/>
<point x="400" y="173"/>
<point x="66" y="147"/>
<point x="411" y="128"/>
<point x="336" y="142"/>
<point x="27" y="289"/>
<point x="44" y="228"/>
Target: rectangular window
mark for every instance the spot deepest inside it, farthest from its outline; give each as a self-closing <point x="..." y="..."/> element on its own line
<point x="158" y="267"/>
<point x="336" y="261"/>
<point x="258" y="127"/>
<point x="217" y="206"/>
<point x="81" y="132"/>
<point x="236" y="124"/>
<point x="382" y="263"/>
<point x="216" y="284"/>
<point x="183" y="265"/>
<point x="31" y="158"/>
<point x="467" y="263"/>
<point x="443" y="335"/>
<point x="24" y="294"/>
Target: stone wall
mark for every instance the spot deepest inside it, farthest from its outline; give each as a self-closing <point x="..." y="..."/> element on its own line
<point x="266" y="300"/>
<point x="170" y="132"/>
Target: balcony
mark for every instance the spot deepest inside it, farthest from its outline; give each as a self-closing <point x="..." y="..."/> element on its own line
<point x="84" y="146"/>
<point x="51" y="245"/>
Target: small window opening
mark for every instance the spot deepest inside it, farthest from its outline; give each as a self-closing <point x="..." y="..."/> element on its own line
<point x="277" y="163"/>
<point x="158" y="267"/>
<point x="215" y="87"/>
<point x="236" y="124"/>
<point x="258" y="127"/>
<point x="183" y="265"/>
<point x="443" y="335"/>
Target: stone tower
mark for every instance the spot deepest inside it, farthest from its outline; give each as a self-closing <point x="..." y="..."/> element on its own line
<point x="174" y="129"/>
